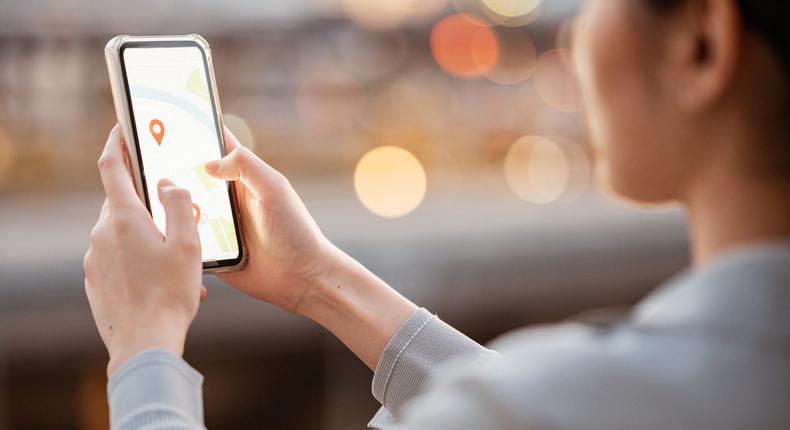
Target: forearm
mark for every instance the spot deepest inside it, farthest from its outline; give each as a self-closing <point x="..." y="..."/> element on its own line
<point x="356" y="306"/>
<point x="404" y="345"/>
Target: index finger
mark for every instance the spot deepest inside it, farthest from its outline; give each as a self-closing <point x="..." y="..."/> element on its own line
<point x="115" y="176"/>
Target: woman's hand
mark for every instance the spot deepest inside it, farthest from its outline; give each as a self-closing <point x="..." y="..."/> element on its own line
<point x="292" y="264"/>
<point x="143" y="287"/>
<point x="287" y="251"/>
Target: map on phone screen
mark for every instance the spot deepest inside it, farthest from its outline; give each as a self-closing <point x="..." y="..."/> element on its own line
<point x="173" y="116"/>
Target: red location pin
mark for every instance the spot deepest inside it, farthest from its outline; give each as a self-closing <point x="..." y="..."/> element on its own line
<point x="196" y="212"/>
<point x="157" y="130"/>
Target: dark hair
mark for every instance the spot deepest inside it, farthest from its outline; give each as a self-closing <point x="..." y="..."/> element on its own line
<point x="767" y="18"/>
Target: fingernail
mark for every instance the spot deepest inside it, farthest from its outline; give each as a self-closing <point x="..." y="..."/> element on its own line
<point x="165" y="184"/>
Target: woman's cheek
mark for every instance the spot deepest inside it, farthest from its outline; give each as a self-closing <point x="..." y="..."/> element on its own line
<point x="626" y="128"/>
<point x="587" y="58"/>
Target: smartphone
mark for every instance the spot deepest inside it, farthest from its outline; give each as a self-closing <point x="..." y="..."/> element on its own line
<point x="167" y="106"/>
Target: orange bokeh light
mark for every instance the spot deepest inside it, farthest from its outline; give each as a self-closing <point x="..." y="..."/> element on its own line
<point x="464" y="46"/>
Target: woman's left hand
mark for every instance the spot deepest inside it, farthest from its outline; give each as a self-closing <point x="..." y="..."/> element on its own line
<point x="143" y="287"/>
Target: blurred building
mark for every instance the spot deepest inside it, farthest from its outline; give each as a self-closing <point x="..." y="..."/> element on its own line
<point x="506" y="226"/>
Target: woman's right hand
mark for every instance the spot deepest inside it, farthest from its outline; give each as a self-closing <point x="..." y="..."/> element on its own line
<point x="294" y="266"/>
<point x="286" y="249"/>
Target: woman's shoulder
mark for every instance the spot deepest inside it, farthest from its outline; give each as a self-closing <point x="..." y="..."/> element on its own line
<point x="577" y="375"/>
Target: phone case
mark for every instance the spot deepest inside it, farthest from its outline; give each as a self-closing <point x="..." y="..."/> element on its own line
<point x="121" y="100"/>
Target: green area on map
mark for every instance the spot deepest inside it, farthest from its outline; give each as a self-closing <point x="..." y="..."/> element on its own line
<point x="225" y="234"/>
<point x="196" y="85"/>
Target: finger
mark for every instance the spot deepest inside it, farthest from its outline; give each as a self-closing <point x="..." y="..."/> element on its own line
<point x="231" y="142"/>
<point x="180" y="221"/>
<point x="115" y="175"/>
<point x="203" y="293"/>
<point x="244" y="166"/>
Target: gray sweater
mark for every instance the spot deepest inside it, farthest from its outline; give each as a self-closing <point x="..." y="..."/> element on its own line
<point x="710" y="350"/>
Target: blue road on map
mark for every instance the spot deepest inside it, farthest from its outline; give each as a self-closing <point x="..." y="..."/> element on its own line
<point x="154" y="94"/>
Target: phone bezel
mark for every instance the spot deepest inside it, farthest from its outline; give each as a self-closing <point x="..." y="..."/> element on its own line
<point x="173" y="42"/>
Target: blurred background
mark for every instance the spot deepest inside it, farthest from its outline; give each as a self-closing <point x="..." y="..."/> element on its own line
<point x="440" y="142"/>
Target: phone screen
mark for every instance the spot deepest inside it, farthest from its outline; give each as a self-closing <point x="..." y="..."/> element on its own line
<point x="175" y="124"/>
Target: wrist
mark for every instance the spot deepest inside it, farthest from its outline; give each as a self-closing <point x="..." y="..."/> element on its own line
<point x="355" y="305"/>
<point x="144" y="339"/>
<point x="318" y="298"/>
<point x="336" y="289"/>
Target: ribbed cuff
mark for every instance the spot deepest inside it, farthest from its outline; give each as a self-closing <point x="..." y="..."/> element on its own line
<point x="395" y="349"/>
<point x="155" y="379"/>
<point x="421" y="346"/>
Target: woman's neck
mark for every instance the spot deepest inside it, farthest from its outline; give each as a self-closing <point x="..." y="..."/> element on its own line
<point x="727" y="211"/>
<point x="738" y="189"/>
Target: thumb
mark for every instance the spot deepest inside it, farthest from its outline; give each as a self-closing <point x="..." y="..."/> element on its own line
<point x="177" y="202"/>
<point x="244" y="166"/>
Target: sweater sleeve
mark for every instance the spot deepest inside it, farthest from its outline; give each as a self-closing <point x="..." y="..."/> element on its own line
<point x="156" y="390"/>
<point x="420" y="348"/>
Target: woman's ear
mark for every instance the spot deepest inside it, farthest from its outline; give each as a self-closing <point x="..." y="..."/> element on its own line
<point x="705" y="51"/>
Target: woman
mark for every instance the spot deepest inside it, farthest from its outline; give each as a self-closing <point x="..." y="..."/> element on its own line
<point x="687" y="101"/>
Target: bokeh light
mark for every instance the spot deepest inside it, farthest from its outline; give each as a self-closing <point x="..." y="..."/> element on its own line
<point x="507" y="13"/>
<point x="555" y="81"/>
<point x="537" y="169"/>
<point x="240" y="129"/>
<point x="517" y="57"/>
<point x="580" y="167"/>
<point x="390" y="181"/>
<point x="464" y="46"/>
<point x="511" y="8"/>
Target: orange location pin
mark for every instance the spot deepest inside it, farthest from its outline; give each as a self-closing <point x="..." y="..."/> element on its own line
<point x="157" y="130"/>
<point x="196" y="212"/>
